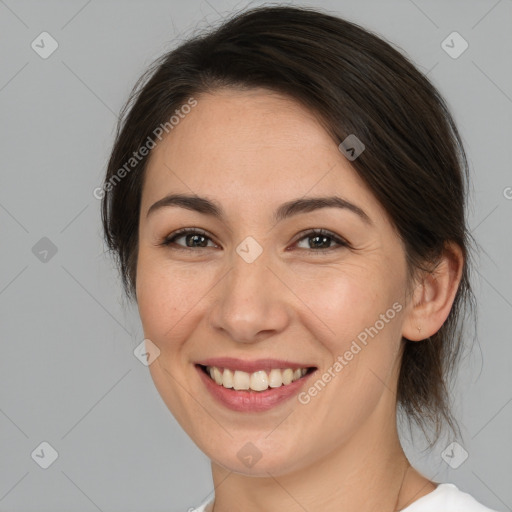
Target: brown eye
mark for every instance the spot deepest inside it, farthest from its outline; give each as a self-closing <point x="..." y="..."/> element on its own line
<point x="320" y="240"/>
<point x="193" y="238"/>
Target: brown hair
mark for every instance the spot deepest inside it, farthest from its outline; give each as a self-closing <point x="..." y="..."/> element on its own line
<point x="356" y="83"/>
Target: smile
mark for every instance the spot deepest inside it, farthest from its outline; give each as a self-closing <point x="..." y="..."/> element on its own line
<point x="254" y="391"/>
<point x="260" y="380"/>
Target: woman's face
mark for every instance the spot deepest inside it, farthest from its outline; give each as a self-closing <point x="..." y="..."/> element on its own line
<point x="252" y="284"/>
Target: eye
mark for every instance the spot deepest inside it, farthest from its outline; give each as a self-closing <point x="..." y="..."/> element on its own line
<point x="319" y="240"/>
<point x="194" y="238"/>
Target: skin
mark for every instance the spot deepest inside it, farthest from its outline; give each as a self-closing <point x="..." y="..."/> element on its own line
<point x="251" y="151"/>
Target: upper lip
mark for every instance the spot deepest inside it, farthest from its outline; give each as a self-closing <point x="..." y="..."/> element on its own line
<point x="232" y="363"/>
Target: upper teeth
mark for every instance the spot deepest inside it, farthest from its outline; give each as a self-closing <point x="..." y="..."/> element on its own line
<point x="257" y="381"/>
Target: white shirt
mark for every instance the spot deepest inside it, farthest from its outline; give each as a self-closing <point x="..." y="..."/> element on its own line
<point x="444" y="498"/>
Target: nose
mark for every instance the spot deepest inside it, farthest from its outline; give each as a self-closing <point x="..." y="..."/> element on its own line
<point x="251" y="302"/>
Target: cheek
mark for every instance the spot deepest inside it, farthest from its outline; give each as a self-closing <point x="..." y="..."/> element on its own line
<point x="168" y="295"/>
<point x="345" y="300"/>
<point x="356" y="316"/>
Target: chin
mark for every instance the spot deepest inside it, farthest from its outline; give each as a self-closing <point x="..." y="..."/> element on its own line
<point x="252" y="461"/>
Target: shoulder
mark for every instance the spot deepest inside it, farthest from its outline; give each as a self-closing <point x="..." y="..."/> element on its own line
<point x="204" y="507"/>
<point x="450" y="498"/>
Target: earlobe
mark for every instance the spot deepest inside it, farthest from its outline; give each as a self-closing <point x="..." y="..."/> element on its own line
<point x="434" y="295"/>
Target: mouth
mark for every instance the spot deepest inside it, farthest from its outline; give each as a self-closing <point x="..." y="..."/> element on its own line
<point x="258" y="381"/>
<point x="254" y="391"/>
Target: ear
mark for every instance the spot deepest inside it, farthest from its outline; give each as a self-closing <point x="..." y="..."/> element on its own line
<point x="433" y="296"/>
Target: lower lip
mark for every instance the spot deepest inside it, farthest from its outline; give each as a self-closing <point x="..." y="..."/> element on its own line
<point x="252" y="401"/>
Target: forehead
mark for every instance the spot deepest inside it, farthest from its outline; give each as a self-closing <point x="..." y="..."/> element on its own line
<point x="244" y="125"/>
<point x="256" y="142"/>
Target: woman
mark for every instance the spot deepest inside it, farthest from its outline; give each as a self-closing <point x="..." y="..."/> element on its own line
<point x="286" y="202"/>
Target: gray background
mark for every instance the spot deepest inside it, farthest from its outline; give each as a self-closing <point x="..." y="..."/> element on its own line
<point x="68" y="373"/>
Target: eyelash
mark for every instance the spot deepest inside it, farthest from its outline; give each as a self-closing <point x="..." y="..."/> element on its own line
<point x="308" y="234"/>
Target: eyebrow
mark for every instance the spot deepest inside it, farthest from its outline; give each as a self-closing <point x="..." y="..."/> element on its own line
<point x="286" y="210"/>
